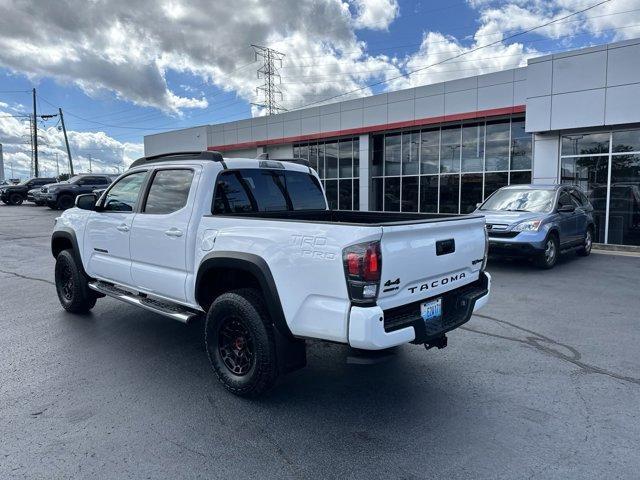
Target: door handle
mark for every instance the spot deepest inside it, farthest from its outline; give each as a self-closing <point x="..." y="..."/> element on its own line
<point x="123" y="228"/>
<point x="173" y="232"/>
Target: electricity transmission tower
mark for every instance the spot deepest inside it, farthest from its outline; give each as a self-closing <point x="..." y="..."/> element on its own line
<point x="272" y="62"/>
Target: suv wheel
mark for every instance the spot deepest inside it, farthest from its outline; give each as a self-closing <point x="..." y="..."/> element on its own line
<point x="15" y="199"/>
<point x="64" y="202"/>
<point x="548" y="258"/>
<point x="72" y="286"/>
<point x="240" y="343"/>
<point x="585" y="250"/>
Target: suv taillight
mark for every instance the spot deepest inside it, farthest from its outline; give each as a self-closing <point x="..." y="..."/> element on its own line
<point x="362" y="267"/>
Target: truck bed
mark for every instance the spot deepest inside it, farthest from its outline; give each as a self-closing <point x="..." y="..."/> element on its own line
<point x="346" y="217"/>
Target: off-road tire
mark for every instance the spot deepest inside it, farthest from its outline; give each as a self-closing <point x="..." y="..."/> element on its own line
<point x="72" y="286"/>
<point x="64" y="202"/>
<point x="15" y="199"/>
<point x="549" y="256"/>
<point x="585" y="250"/>
<point x="245" y="307"/>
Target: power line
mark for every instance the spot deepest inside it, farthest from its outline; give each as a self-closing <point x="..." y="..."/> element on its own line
<point x="524" y="32"/>
<point x="435" y="42"/>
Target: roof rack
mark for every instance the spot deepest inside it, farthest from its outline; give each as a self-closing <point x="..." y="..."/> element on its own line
<point x="176" y="156"/>
<point x="299" y="161"/>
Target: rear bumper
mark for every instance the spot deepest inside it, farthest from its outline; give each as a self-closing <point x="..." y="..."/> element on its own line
<point x="372" y="328"/>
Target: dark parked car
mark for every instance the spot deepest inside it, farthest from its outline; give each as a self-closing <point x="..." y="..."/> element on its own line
<point x="63" y="195"/>
<point x="539" y="221"/>
<point x="16" y="194"/>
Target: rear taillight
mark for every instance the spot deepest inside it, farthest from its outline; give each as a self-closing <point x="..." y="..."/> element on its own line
<point x="362" y="267"/>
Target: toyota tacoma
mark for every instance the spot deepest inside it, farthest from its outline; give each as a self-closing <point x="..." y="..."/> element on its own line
<point x="251" y="246"/>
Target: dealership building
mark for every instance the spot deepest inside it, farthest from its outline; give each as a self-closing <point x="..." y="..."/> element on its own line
<point x="570" y="117"/>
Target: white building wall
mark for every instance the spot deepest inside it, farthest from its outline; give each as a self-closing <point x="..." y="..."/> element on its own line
<point x="546" y="150"/>
<point x="186" y="140"/>
<point x="591" y="87"/>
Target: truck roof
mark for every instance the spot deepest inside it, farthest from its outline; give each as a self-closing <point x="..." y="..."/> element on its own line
<point x="205" y="158"/>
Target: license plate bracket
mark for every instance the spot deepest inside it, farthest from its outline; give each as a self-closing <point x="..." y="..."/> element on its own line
<point x="431" y="310"/>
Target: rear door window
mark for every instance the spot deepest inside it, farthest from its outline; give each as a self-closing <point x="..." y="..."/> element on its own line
<point x="261" y="190"/>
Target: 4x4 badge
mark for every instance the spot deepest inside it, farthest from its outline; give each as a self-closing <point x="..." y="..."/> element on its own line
<point x="389" y="285"/>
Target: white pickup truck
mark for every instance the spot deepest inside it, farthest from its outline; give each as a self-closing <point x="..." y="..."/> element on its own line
<point x="251" y="245"/>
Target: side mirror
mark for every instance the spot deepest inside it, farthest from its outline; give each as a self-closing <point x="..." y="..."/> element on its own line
<point x="567" y="209"/>
<point x="86" y="201"/>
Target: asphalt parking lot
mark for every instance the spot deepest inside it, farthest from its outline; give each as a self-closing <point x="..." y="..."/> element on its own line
<point x="544" y="383"/>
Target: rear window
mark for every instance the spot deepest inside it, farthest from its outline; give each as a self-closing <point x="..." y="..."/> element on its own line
<point x="260" y="190"/>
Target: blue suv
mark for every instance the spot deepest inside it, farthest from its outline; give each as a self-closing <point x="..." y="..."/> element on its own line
<point x="538" y="221"/>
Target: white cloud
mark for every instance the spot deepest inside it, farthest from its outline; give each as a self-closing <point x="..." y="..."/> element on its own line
<point x="131" y="49"/>
<point x="375" y="14"/>
<point x="107" y="154"/>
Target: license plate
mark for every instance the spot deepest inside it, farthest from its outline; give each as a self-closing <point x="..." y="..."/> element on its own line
<point x="431" y="309"/>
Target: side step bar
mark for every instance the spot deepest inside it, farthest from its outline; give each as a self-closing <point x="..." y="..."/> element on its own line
<point x="161" y="307"/>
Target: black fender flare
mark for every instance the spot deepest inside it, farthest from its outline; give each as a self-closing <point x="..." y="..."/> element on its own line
<point x="69" y="235"/>
<point x="256" y="266"/>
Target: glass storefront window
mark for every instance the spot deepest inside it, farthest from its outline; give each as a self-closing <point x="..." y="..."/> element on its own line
<point x="356" y="194"/>
<point x="429" y="193"/>
<point x="521" y="146"/>
<point x="585" y="144"/>
<point x="377" y="194"/>
<point x="470" y="192"/>
<point x="449" y="193"/>
<point x="429" y="151"/>
<point x="331" y="190"/>
<point x="624" y="200"/>
<point x="472" y="147"/>
<point x="489" y="154"/>
<point x="392" y="194"/>
<point x="494" y="181"/>
<point x="356" y="157"/>
<point x="345" y="195"/>
<point x="331" y="159"/>
<point x="377" y="156"/>
<point x="345" y="160"/>
<point x="392" y="149"/>
<point x="626" y="141"/>
<point x="321" y="160"/>
<point x="497" y="146"/>
<point x="313" y="156"/>
<point x="410" y="194"/>
<point x="590" y="174"/>
<point x="450" y="149"/>
<point x="335" y="160"/>
<point x="520" y="178"/>
<point x="410" y="153"/>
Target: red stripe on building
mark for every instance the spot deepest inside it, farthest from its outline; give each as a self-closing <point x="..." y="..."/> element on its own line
<point x="456" y="117"/>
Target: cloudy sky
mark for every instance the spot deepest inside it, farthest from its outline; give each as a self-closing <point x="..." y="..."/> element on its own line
<point x="121" y="69"/>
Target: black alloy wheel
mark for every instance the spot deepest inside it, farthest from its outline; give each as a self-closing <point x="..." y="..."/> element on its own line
<point x="235" y="346"/>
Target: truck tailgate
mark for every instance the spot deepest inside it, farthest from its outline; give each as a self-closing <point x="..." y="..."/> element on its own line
<point x="423" y="260"/>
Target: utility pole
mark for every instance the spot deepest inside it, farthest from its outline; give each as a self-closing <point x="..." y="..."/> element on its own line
<point x="90" y="170"/>
<point x="1" y="164"/>
<point x="66" y="141"/>
<point x="272" y="61"/>
<point x="57" y="165"/>
<point x="35" y="135"/>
